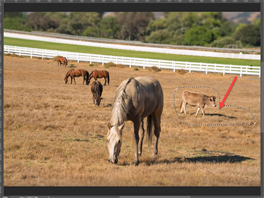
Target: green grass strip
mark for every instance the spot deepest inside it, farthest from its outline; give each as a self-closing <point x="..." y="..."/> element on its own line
<point x="125" y="53"/>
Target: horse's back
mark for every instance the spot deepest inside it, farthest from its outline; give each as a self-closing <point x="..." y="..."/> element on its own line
<point x="146" y="95"/>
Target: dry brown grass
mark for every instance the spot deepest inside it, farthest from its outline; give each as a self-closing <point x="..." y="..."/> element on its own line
<point x="55" y="136"/>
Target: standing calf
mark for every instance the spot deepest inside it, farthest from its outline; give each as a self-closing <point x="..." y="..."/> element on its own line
<point x="97" y="90"/>
<point x="195" y="99"/>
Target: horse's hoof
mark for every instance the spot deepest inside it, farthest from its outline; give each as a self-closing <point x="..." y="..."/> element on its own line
<point x="154" y="155"/>
<point x="139" y="154"/>
<point x="136" y="163"/>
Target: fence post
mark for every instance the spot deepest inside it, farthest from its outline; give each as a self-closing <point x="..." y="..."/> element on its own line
<point x="173" y="63"/>
<point x="144" y="63"/>
<point x="78" y="58"/>
<point x="90" y="58"/>
<point x="240" y="71"/>
<point x="130" y="63"/>
<point x="31" y="53"/>
<point x="122" y="60"/>
<point x="224" y="71"/>
<point x="159" y="63"/>
<point x="42" y="54"/>
<point x="206" y="69"/>
<point x="215" y="66"/>
<point x="200" y="65"/>
<point x="190" y="68"/>
<point x="103" y="61"/>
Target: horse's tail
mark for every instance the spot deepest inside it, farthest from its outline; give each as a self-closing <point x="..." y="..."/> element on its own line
<point x="149" y="129"/>
<point x="87" y="76"/>
<point x="108" y="79"/>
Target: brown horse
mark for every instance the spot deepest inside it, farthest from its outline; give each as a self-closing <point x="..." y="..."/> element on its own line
<point x="99" y="74"/>
<point x="76" y="73"/>
<point x="62" y="60"/>
<point x="97" y="90"/>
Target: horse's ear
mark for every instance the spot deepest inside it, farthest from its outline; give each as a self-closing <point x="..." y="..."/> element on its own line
<point x="109" y="125"/>
<point x="121" y="127"/>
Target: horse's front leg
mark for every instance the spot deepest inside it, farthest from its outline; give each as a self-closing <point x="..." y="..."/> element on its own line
<point x="74" y="80"/>
<point x="136" y="139"/>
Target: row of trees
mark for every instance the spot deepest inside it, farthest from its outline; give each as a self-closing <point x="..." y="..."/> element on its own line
<point x="178" y="28"/>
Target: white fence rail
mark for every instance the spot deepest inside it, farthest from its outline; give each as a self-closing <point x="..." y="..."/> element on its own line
<point x="163" y="64"/>
<point x="134" y="48"/>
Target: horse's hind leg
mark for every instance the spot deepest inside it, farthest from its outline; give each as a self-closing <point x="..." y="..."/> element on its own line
<point x="156" y="119"/>
<point x="141" y="138"/>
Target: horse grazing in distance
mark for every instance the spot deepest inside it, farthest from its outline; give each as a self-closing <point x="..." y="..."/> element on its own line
<point x="76" y="73"/>
<point x="99" y="74"/>
<point x="135" y="99"/>
<point x="97" y="90"/>
<point x="62" y="60"/>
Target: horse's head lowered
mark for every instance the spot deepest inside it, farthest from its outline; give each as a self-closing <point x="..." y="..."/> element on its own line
<point x="65" y="80"/>
<point x="114" y="138"/>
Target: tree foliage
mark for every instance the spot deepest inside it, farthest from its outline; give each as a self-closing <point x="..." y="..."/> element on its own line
<point x="177" y="28"/>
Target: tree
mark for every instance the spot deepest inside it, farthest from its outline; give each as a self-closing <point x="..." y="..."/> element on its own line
<point x="40" y="21"/>
<point x="249" y="35"/>
<point x="160" y="36"/>
<point x="198" y="36"/>
<point x="133" y="24"/>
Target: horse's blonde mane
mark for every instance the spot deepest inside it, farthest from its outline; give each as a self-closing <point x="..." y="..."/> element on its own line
<point x="119" y="108"/>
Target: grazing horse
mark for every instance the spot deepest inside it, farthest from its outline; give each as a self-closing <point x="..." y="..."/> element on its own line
<point x="76" y="73"/>
<point x="135" y="99"/>
<point x="97" y="90"/>
<point x="62" y="60"/>
<point x="99" y="74"/>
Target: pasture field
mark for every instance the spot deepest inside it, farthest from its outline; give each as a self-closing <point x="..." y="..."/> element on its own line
<point x="126" y="53"/>
<point x="55" y="136"/>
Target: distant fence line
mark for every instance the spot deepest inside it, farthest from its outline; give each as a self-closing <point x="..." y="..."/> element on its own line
<point x="130" y="61"/>
<point x="133" y="48"/>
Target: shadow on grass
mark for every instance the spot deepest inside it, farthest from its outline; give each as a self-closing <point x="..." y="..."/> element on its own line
<point x="202" y="159"/>
<point x="216" y="114"/>
<point x="72" y="66"/>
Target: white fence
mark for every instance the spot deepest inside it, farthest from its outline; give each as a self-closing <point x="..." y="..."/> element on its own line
<point x="134" y="48"/>
<point x="162" y="64"/>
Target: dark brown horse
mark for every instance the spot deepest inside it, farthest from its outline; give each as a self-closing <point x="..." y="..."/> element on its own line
<point x="76" y="73"/>
<point x="99" y="74"/>
<point x="62" y="60"/>
<point x="97" y="90"/>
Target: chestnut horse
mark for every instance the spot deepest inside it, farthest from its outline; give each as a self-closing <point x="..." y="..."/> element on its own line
<point x="99" y="74"/>
<point x="76" y="73"/>
<point x="62" y="60"/>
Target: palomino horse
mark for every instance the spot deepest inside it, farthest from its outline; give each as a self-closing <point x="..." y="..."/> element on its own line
<point x="135" y="99"/>
<point x="97" y="90"/>
<point x="76" y="73"/>
<point x="99" y="74"/>
<point x="62" y="60"/>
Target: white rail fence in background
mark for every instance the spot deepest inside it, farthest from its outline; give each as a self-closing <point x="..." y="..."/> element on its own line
<point x="134" y="48"/>
<point x="140" y="62"/>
